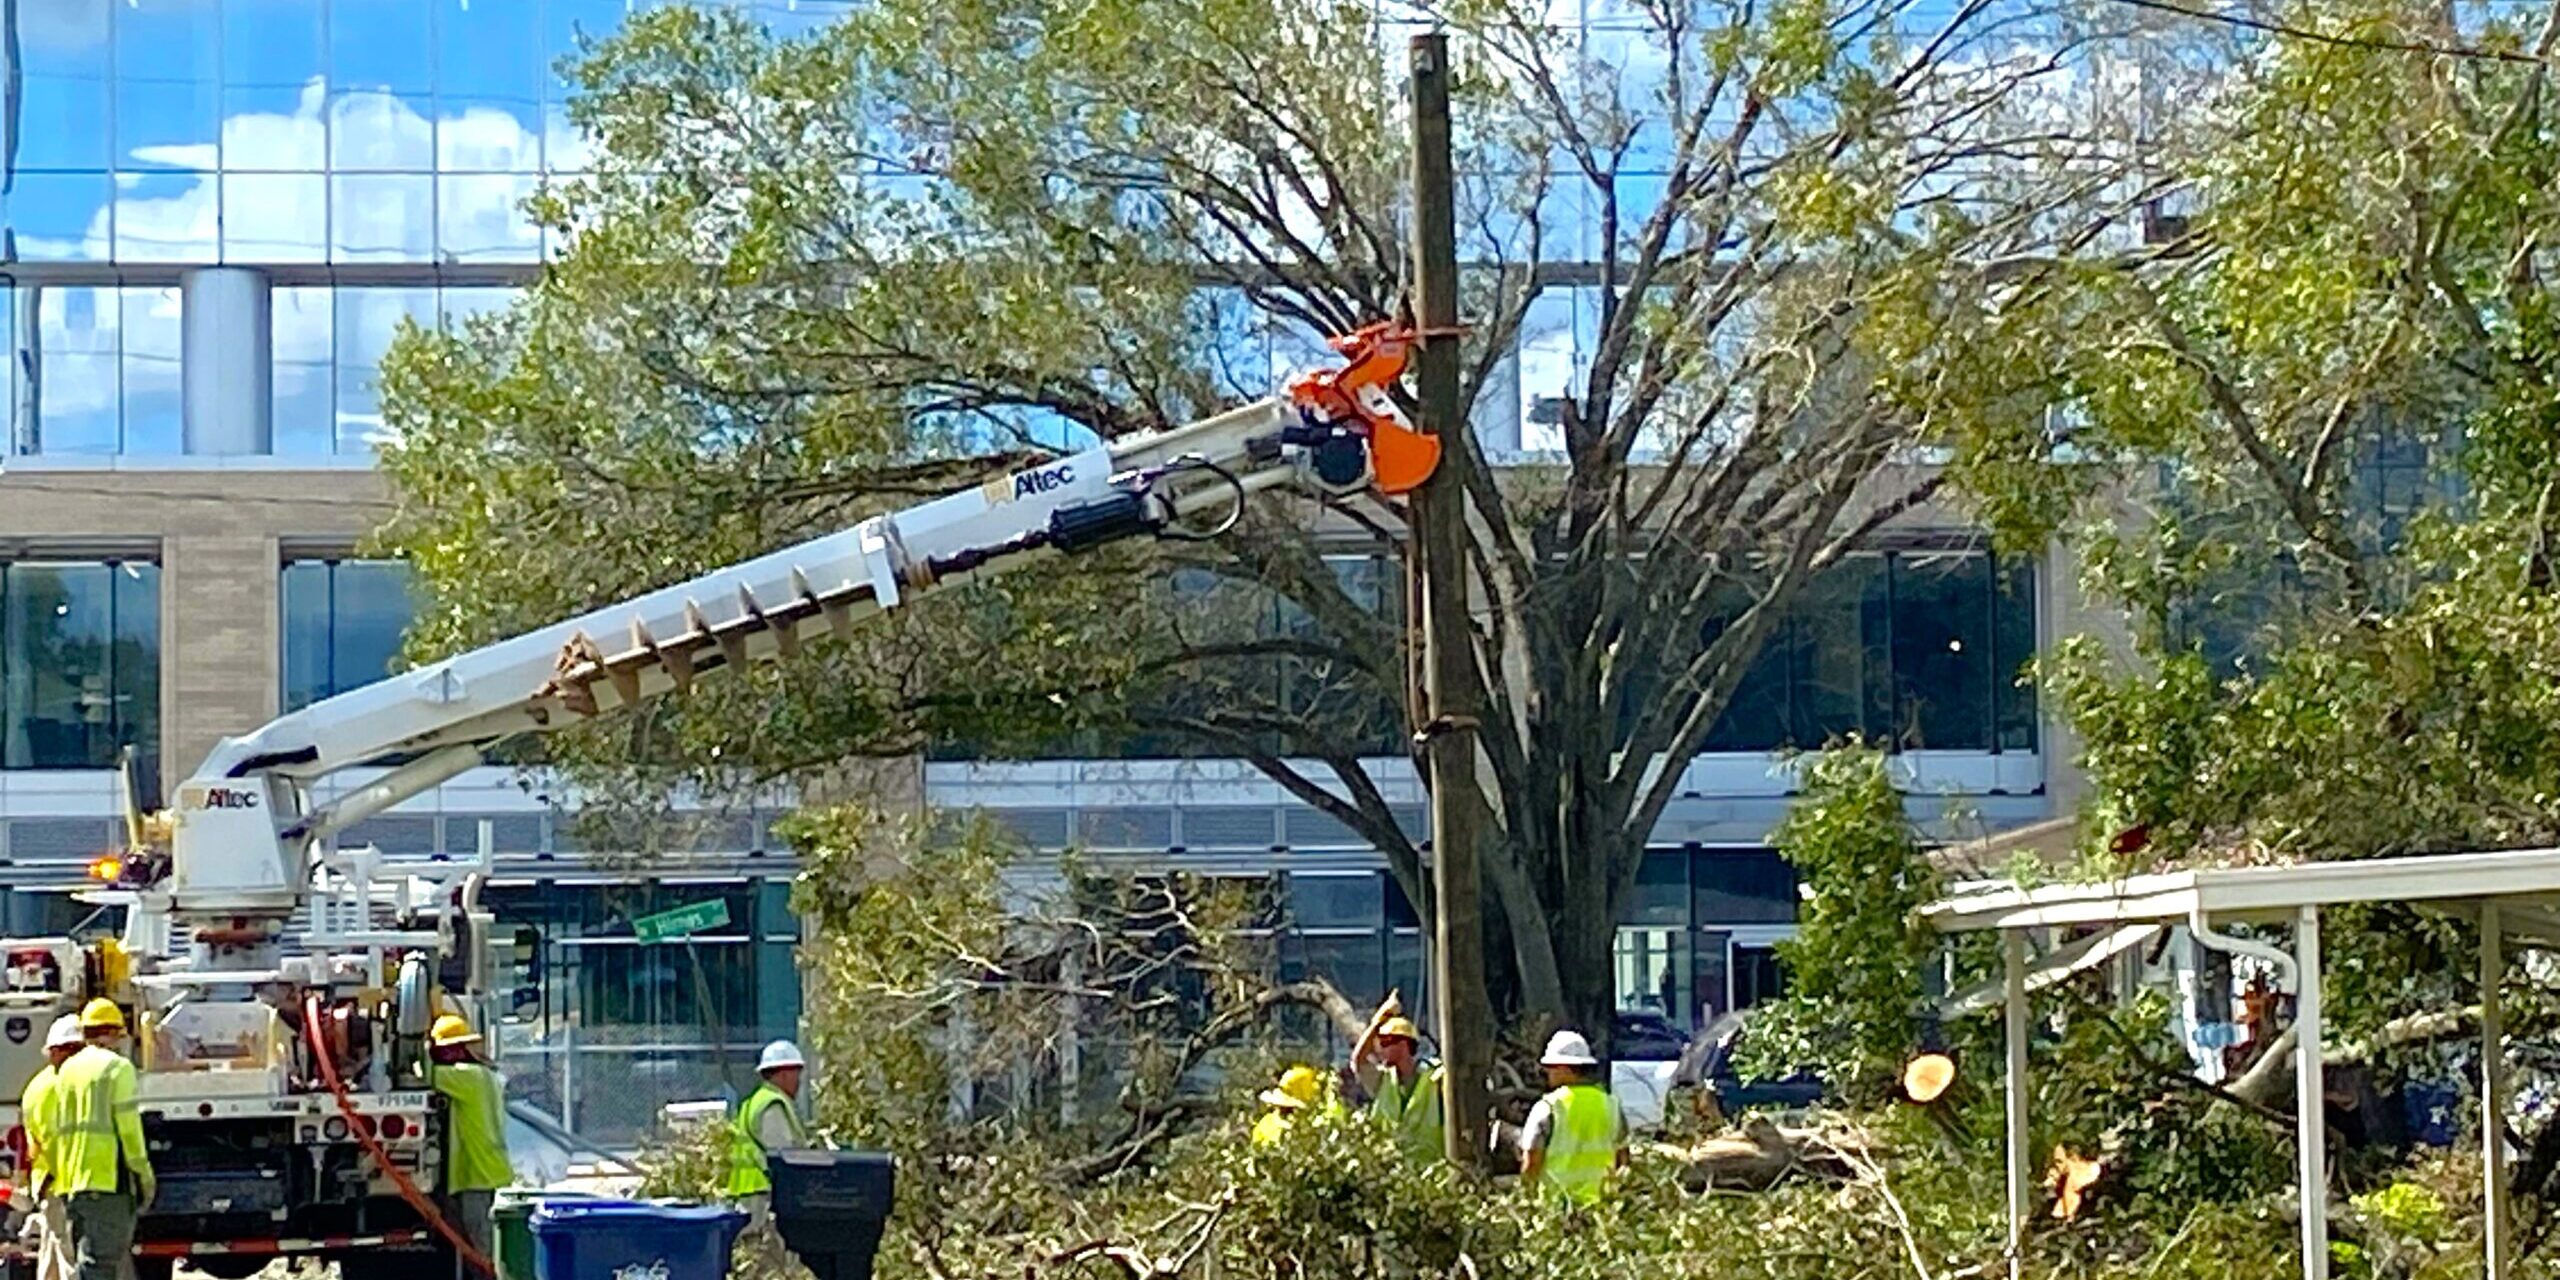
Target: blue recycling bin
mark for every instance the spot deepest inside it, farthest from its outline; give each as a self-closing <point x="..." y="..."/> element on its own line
<point x="632" y="1240"/>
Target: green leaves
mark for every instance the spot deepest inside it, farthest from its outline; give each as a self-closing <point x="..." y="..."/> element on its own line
<point x="1857" y="1000"/>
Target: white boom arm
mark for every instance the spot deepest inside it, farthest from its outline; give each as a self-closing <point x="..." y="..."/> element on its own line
<point x="244" y="832"/>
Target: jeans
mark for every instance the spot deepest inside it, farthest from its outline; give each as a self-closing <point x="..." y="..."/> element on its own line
<point x="475" y="1215"/>
<point x="102" y="1234"/>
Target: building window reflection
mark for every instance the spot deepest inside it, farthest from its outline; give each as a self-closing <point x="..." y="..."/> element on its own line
<point x="1924" y="650"/>
<point x="343" y="621"/>
<point x="79" y="663"/>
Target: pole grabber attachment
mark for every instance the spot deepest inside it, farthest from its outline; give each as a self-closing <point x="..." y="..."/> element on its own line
<point x="1356" y="394"/>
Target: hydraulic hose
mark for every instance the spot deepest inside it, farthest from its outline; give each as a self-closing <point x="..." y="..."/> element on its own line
<point x="373" y="1146"/>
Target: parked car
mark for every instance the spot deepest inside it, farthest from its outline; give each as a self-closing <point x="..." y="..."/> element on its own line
<point x="1646" y="1080"/>
<point x="1644" y="1054"/>
<point x="1642" y="1035"/>
<point x="1709" y="1063"/>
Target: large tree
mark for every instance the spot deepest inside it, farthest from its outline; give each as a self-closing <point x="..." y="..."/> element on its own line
<point x="2334" y="384"/>
<point x="812" y="279"/>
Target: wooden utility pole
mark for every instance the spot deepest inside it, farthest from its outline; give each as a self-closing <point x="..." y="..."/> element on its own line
<point x="1453" y="710"/>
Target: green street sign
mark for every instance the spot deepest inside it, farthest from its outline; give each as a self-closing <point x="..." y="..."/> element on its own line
<point x="667" y="926"/>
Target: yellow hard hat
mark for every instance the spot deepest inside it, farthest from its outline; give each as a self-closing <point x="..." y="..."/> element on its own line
<point x="451" y="1030"/>
<point x="101" y="1013"/>
<point x="1401" y="1028"/>
<point x="1298" y="1088"/>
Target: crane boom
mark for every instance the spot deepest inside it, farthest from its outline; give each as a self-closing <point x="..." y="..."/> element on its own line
<point x="244" y="832"/>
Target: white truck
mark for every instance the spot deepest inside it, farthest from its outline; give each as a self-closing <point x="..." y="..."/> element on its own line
<point x="281" y="990"/>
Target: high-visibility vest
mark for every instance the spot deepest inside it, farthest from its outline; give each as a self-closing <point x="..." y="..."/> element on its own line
<point x="475" y="1127"/>
<point x="746" y="1142"/>
<point x="96" y="1105"/>
<point x="33" y="1119"/>
<point x="1413" y="1113"/>
<point x="1583" y="1145"/>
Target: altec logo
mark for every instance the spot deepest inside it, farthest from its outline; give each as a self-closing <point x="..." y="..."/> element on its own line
<point x="1044" y="480"/>
<point x="229" y="798"/>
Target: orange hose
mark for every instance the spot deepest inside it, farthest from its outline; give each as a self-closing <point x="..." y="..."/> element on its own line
<point x="373" y="1147"/>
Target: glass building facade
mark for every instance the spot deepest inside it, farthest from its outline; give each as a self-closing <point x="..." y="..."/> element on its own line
<point x="369" y="159"/>
<point x="342" y="625"/>
<point x="79" y="662"/>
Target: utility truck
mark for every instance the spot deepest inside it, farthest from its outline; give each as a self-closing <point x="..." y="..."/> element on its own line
<point x="281" y="989"/>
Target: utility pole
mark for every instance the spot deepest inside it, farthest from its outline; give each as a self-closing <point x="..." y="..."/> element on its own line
<point x="1452" y="710"/>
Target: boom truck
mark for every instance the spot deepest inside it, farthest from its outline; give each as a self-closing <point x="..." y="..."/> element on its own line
<point x="281" y="989"/>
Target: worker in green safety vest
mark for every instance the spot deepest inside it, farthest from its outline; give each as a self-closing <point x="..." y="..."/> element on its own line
<point x="97" y="1160"/>
<point x="1575" y="1135"/>
<point x="475" y="1148"/>
<point x="48" y="1230"/>
<point x="768" y="1121"/>
<point x="1404" y="1091"/>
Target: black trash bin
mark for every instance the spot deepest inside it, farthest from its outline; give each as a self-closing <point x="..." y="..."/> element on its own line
<point x="830" y="1207"/>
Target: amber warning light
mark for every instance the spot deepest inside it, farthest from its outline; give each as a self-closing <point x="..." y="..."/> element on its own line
<point x="105" y="870"/>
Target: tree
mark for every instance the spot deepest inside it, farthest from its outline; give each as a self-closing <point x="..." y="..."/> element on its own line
<point x="2322" y="432"/>
<point x="808" y="279"/>
<point x="1859" y="965"/>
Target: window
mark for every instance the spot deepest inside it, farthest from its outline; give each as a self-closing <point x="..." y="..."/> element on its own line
<point x="1336" y="901"/>
<point x="1756" y="976"/>
<point x="1923" y="650"/>
<point x="1839" y="668"/>
<point x="343" y="621"/>
<point x="1739" y="886"/>
<point x="1942" y="652"/>
<point x="79" y="663"/>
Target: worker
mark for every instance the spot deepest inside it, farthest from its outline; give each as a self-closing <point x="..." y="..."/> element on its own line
<point x="48" y="1229"/>
<point x="96" y="1156"/>
<point x="1299" y="1088"/>
<point x="1575" y="1134"/>
<point x="1404" y="1091"/>
<point x="768" y="1121"/>
<point x="475" y="1159"/>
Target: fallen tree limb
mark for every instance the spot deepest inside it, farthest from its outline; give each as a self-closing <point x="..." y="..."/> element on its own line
<point x="1153" y="1119"/>
<point x="1761" y="1154"/>
<point x="2271" y="1076"/>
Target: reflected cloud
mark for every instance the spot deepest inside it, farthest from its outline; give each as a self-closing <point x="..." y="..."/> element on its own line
<point x="361" y="176"/>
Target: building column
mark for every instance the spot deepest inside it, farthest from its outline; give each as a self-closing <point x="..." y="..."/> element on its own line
<point x="227" y="362"/>
<point x="220" y="654"/>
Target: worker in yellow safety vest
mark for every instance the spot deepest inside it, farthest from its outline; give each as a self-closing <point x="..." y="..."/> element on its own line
<point x="1299" y="1089"/>
<point x="1404" y="1090"/>
<point x="1575" y="1135"/>
<point x="475" y="1149"/>
<point x="48" y="1230"/>
<point x="94" y="1149"/>
<point x="768" y="1121"/>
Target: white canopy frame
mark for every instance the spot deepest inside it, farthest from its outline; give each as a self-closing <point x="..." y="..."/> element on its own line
<point x="2514" y="895"/>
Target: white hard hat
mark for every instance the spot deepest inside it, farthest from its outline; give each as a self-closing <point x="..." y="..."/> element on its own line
<point x="64" y="1033"/>
<point x="1568" y="1049"/>
<point x="780" y="1054"/>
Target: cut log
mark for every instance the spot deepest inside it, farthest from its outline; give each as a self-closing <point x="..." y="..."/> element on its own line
<point x="1759" y="1154"/>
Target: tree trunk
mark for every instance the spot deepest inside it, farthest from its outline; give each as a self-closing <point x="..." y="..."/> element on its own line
<point x="1585" y="928"/>
<point x="1531" y="922"/>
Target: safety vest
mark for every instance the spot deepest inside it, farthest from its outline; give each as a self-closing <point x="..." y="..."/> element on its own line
<point x="746" y="1145"/>
<point x="1583" y="1146"/>
<point x="96" y="1105"/>
<point x="1413" y="1113"/>
<point x="33" y="1119"/>
<point x="476" y="1127"/>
